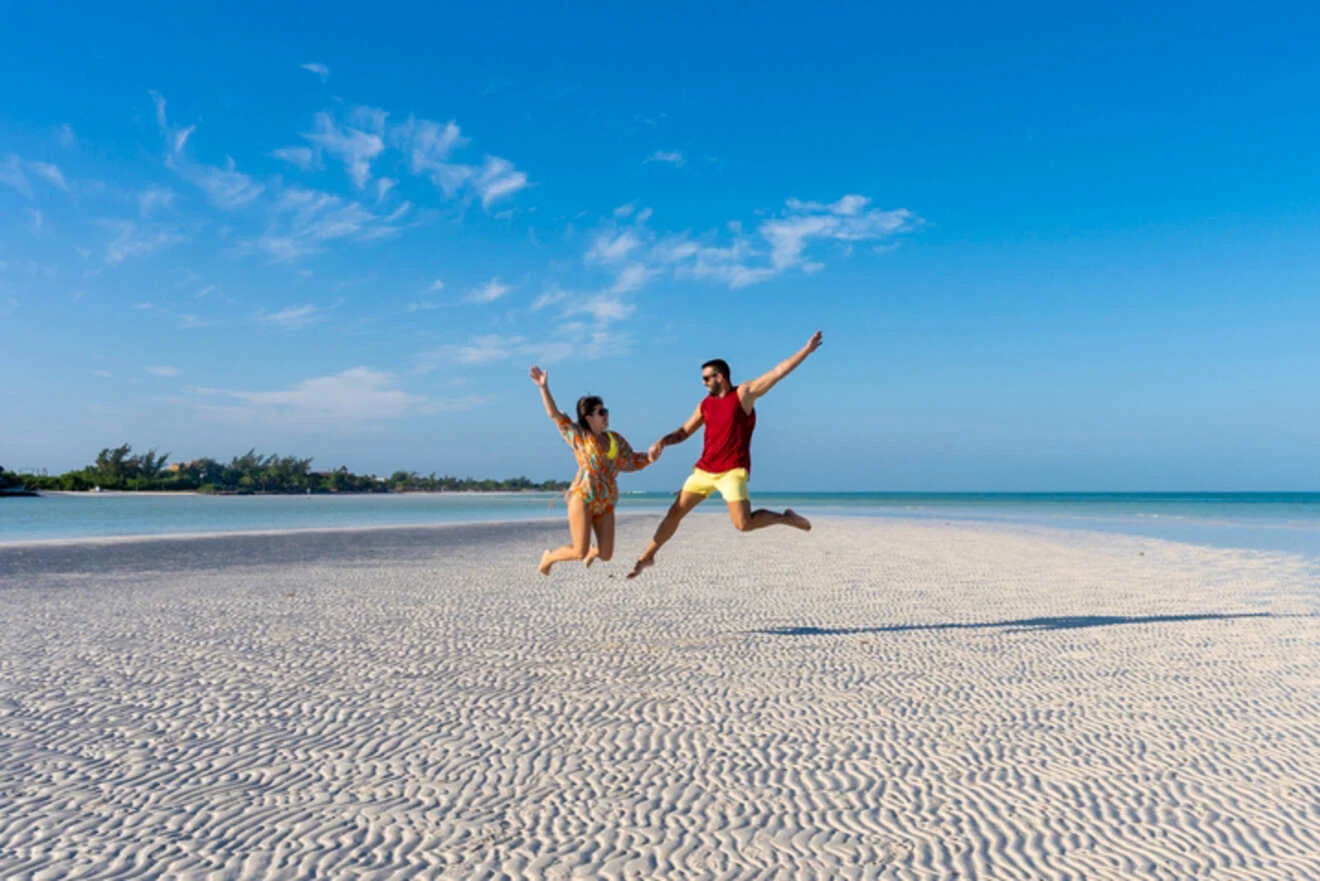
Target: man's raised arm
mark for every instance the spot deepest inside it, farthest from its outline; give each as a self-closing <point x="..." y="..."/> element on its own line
<point x="750" y="391"/>
<point x="682" y="433"/>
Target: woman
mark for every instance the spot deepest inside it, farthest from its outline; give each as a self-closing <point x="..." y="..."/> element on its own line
<point x="601" y="455"/>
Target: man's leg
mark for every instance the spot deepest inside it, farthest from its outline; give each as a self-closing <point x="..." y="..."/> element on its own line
<point x="665" y="531"/>
<point x="745" y="519"/>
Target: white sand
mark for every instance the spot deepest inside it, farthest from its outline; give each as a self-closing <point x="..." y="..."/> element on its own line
<point x="872" y="700"/>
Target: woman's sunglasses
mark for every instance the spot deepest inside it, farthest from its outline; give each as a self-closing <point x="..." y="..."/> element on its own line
<point x="603" y="411"/>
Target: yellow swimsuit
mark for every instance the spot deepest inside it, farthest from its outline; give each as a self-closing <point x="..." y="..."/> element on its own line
<point x="599" y="463"/>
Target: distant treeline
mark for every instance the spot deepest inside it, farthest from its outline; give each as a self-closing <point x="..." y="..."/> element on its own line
<point x="118" y="469"/>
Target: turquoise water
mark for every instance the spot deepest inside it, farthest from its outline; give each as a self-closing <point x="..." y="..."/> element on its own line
<point x="1266" y="521"/>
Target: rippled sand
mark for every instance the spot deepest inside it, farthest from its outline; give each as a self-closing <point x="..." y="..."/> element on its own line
<point x="870" y="700"/>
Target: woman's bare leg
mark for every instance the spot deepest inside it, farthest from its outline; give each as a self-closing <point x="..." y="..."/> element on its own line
<point x="579" y="529"/>
<point x="604" y="549"/>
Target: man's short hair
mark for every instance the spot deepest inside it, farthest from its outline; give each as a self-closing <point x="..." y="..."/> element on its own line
<point x="721" y="365"/>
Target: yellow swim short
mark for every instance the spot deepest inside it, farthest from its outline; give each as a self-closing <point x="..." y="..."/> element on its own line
<point x="731" y="484"/>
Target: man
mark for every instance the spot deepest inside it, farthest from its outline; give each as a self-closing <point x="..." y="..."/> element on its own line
<point x="729" y="414"/>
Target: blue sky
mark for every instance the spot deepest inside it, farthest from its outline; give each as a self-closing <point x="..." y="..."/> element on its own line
<point x="1047" y="253"/>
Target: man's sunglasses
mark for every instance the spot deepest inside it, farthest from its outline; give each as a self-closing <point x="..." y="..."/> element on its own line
<point x="707" y="377"/>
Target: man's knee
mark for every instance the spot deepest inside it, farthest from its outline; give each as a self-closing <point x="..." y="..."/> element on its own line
<point x="741" y="523"/>
<point x="605" y="556"/>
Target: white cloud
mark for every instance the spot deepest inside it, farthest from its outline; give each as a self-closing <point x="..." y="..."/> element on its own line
<point x="846" y="220"/>
<point x="190" y="322"/>
<point x="498" y="179"/>
<point x="429" y="146"/>
<point x="14" y="173"/>
<point x="436" y="285"/>
<point x="623" y="211"/>
<point x="632" y="277"/>
<point x="383" y="187"/>
<point x="163" y="370"/>
<point x="428" y="143"/>
<point x="605" y="309"/>
<point x="303" y="221"/>
<point x="291" y="317"/>
<point x="610" y="248"/>
<point x="734" y="257"/>
<point x="488" y="293"/>
<point x="227" y="187"/>
<point x="299" y="156"/>
<point x="130" y="242"/>
<point x="50" y="173"/>
<point x="355" y="148"/>
<point x="342" y="401"/>
<point x="549" y="298"/>
<point x="155" y="197"/>
<point x="673" y="157"/>
<point x="317" y="68"/>
<point x="67" y="138"/>
<point x="484" y="349"/>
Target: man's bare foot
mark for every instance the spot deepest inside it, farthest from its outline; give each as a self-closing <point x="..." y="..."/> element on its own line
<point x="797" y="520"/>
<point x="639" y="566"/>
<point x="544" y="568"/>
<point x="590" y="558"/>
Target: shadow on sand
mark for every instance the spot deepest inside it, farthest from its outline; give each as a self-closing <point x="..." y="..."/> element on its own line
<point x="1065" y="622"/>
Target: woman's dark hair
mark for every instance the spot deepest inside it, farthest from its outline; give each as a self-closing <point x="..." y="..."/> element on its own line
<point x="721" y="365"/>
<point x="587" y="406"/>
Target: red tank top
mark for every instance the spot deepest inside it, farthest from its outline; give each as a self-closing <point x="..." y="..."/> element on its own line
<point x="728" y="443"/>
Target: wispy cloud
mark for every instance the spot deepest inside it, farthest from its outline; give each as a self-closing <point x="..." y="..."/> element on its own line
<point x="611" y="246"/>
<point x="129" y="241"/>
<point x="317" y="68"/>
<point x="343" y="401"/>
<point x="299" y="156"/>
<point x="163" y="370"/>
<point x="291" y="317"/>
<point x="498" y="179"/>
<point x="68" y="139"/>
<point x="354" y="147"/>
<point x="549" y="298"/>
<point x="429" y="147"/>
<point x="227" y="187"/>
<point x="673" y="157"/>
<point x="155" y="197"/>
<point x="303" y="221"/>
<point x="14" y="172"/>
<point x="488" y="293"/>
<point x="636" y="254"/>
<point x="191" y="322"/>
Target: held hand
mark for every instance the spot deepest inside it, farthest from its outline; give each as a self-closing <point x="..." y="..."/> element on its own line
<point x="539" y="376"/>
<point x="655" y="450"/>
<point x="814" y="343"/>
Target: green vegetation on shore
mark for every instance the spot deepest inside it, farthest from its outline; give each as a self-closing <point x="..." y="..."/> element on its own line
<point x="118" y="469"/>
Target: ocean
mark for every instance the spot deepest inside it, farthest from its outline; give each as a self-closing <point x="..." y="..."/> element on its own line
<point x="1262" y="521"/>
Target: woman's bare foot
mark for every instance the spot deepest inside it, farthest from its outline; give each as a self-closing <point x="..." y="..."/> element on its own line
<point x="797" y="520"/>
<point x="591" y="556"/>
<point x="544" y="568"/>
